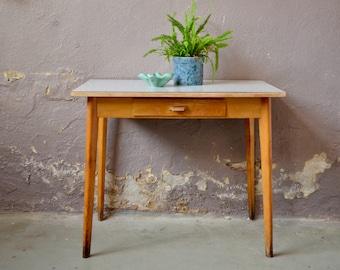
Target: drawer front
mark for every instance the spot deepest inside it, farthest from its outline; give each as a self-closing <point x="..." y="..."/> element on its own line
<point x="173" y="107"/>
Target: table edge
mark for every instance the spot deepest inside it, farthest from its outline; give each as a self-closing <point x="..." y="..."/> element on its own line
<point x="176" y="94"/>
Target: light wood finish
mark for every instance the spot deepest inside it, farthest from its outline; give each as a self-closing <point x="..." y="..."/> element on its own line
<point x="243" y="107"/>
<point x="266" y="170"/>
<point x="90" y="170"/>
<point x="134" y="99"/>
<point x="102" y="130"/>
<point x="174" y="107"/>
<point x="250" y="156"/>
<point x="195" y="108"/>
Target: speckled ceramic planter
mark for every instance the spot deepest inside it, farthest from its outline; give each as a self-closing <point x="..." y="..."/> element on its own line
<point x="187" y="70"/>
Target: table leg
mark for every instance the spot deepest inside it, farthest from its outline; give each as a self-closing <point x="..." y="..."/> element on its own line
<point x="250" y="157"/>
<point x="102" y="130"/>
<point x="266" y="168"/>
<point x="90" y="170"/>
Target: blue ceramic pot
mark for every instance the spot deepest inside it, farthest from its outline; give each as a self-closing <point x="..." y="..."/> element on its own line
<point x="187" y="70"/>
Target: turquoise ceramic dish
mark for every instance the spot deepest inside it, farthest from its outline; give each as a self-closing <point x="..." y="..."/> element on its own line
<point x="156" y="79"/>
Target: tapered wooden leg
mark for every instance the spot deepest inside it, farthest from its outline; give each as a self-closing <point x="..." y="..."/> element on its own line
<point x="266" y="168"/>
<point x="250" y="156"/>
<point x="102" y="129"/>
<point x="90" y="169"/>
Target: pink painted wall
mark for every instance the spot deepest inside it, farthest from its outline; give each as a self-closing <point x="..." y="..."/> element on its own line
<point x="48" y="48"/>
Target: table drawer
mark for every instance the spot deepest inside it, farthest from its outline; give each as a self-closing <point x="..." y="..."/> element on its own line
<point x="173" y="107"/>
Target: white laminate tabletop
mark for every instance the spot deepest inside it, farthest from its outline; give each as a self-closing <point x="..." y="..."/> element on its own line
<point x="139" y="88"/>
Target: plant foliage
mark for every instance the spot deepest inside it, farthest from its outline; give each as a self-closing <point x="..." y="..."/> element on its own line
<point x="189" y="39"/>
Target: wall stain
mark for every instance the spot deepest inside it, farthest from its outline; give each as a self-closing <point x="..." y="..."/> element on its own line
<point x="182" y="206"/>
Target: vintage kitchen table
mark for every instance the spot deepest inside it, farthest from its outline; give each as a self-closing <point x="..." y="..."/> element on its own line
<point x="219" y="100"/>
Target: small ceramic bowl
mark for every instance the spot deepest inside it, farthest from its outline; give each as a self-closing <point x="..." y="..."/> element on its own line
<point x="156" y="79"/>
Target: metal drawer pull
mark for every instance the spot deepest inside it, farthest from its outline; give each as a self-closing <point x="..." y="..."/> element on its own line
<point x="177" y="108"/>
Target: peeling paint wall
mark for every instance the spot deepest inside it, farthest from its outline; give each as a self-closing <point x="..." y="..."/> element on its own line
<point x="185" y="166"/>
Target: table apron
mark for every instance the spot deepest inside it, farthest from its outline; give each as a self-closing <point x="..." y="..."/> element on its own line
<point x="177" y="108"/>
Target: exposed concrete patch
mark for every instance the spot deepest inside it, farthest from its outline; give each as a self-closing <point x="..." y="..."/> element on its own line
<point x="180" y="193"/>
<point x="56" y="168"/>
<point x="302" y="183"/>
<point x="13" y="75"/>
<point x="144" y="192"/>
<point x="305" y="181"/>
<point x="233" y="196"/>
<point x="201" y="185"/>
<point x="208" y="178"/>
<point x="172" y="180"/>
<point x="31" y="178"/>
<point x="47" y="90"/>
<point x="227" y="180"/>
<point x="237" y="166"/>
<point x="34" y="150"/>
<point x="217" y="158"/>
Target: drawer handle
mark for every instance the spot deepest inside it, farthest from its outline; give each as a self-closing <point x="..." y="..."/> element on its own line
<point x="177" y="108"/>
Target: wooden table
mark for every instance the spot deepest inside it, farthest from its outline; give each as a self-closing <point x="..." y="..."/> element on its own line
<point x="135" y="99"/>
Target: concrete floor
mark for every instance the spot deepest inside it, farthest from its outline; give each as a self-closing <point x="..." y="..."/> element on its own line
<point x="137" y="240"/>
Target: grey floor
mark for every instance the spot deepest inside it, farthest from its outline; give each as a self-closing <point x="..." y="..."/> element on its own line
<point x="137" y="240"/>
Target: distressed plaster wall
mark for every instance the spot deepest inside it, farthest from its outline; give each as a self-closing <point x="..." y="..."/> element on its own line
<point x="47" y="48"/>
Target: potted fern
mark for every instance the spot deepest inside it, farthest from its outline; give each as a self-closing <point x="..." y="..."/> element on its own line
<point x="189" y="42"/>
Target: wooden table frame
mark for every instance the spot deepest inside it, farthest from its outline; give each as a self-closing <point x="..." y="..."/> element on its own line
<point x="222" y="100"/>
